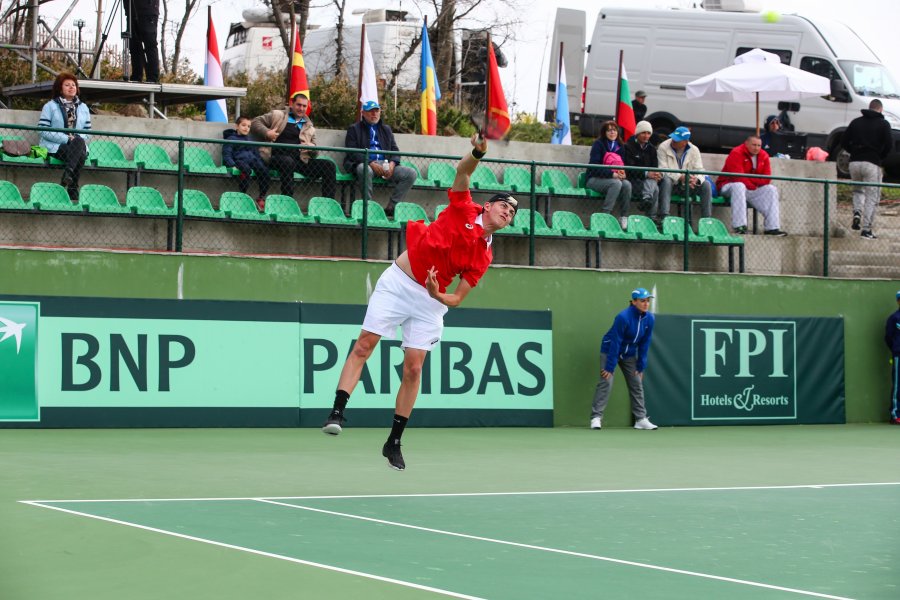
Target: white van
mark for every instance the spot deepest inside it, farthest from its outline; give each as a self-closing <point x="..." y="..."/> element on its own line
<point x="664" y="49"/>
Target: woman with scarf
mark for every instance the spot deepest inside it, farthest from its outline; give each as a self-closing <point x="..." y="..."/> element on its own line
<point x="66" y="111"/>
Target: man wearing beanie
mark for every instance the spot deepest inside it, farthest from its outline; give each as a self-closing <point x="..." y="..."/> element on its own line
<point x="652" y="191"/>
<point x="892" y="339"/>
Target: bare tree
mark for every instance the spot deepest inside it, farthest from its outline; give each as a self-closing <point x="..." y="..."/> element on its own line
<point x="189" y="7"/>
<point x="340" y="6"/>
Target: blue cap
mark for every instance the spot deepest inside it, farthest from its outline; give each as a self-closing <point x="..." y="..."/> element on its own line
<point x="681" y="134"/>
<point x="640" y="294"/>
<point x="370" y="105"/>
<point x="898" y="295"/>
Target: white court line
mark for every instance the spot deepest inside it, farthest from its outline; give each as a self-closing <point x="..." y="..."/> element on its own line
<point x="262" y="553"/>
<point x="558" y="551"/>
<point x="477" y="494"/>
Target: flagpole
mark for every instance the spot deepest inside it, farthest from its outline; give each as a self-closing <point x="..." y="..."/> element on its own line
<point x="558" y="75"/>
<point x="362" y="55"/>
<point x="487" y="81"/>
<point x="293" y="49"/>
<point x="619" y="85"/>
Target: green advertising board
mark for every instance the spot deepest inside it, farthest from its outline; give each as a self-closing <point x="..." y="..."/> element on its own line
<point x="96" y="362"/>
<point x="715" y="370"/>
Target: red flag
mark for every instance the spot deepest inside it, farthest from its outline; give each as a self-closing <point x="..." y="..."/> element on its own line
<point x="497" y="117"/>
<point x="299" y="83"/>
<point x="624" y="111"/>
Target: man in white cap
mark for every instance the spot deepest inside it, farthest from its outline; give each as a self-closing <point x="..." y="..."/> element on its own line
<point x="626" y="344"/>
<point x="371" y="133"/>
<point x="652" y="191"/>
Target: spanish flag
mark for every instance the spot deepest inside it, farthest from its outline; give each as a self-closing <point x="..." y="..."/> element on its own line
<point x="299" y="83"/>
<point x="430" y="92"/>
<point x="497" y="117"/>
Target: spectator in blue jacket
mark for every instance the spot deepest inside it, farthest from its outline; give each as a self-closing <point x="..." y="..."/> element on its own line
<point x="626" y="344"/>
<point x="246" y="159"/>
<point x="371" y="133"/>
<point x="892" y="339"/>
<point x="608" y="181"/>
<point x="66" y="111"/>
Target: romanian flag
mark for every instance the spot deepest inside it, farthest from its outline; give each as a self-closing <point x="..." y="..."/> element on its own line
<point x="624" y="111"/>
<point x="430" y="92"/>
<point x="299" y="83"/>
<point x="212" y="76"/>
<point x="497" y="117"/>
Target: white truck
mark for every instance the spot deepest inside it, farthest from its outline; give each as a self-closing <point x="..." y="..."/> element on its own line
<point x="664" y="49"/>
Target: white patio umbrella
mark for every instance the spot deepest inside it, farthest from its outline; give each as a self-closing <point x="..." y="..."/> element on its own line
<point x="756" y="75"/>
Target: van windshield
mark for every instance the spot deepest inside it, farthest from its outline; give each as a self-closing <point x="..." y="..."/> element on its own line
<point x="870" y="79"/>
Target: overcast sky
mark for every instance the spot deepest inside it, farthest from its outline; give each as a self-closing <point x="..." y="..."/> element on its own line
<point x="874" y="20"/>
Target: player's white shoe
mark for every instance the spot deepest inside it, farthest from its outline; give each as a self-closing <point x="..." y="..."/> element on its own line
<point x="595" y="423"/>
<point x="645" y="424"/>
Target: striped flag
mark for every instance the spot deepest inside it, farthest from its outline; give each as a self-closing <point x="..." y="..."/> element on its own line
<point x="562" y="132"/>
<point x="430" y="92"/>
<point x="624" y="111"/>
<point x="299" y="83"/>
<point x="212" y="76"/>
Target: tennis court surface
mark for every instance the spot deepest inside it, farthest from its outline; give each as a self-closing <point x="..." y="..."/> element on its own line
<point x="751" y="512"/>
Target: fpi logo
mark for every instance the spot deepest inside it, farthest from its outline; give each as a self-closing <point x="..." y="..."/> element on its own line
<point x="743" y="370"/>
<point x="18" y="361"/>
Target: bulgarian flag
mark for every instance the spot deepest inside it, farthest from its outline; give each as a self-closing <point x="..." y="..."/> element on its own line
<point x="624" y="111"/>
<point x="299" y="83"/>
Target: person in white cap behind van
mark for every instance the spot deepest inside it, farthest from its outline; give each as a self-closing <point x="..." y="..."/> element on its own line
<point x="626" y="344"/>
<point x="652" y="191"/>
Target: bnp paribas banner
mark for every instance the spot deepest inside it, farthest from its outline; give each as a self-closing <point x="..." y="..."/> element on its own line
<point x="106" y="362"/>
<point x="743" y="370"/>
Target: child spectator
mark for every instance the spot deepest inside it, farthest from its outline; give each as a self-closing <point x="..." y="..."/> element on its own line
<point x="246" y="159"/>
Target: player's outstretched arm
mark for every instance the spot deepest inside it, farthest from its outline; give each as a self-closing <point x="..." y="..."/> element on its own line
<point x="450" y="300"/>
<point x="466" y="165"/>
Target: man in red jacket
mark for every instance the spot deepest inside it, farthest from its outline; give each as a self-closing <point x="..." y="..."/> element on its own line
<point x="749" y="158"/>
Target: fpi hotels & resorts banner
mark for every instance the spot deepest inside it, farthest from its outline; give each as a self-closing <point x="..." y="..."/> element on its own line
<point x="106" y="362"/>
<point x="715" y="370"/>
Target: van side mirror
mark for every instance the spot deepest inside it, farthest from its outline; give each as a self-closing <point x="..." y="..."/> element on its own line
<point x="789" y="106"/>
<point x="839" y="92"/>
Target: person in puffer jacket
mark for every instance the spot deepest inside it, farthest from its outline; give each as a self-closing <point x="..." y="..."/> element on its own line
<point x="246" y="159"/>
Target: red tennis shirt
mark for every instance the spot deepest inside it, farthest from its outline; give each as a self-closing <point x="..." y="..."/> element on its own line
<point x="452" y="243"/>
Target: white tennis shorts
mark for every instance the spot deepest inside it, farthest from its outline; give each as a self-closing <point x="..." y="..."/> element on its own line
<point x="398" y="301"/>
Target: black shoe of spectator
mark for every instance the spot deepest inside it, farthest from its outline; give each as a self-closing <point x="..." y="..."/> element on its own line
<point x="868" y="235"/>
<point x="73" y="193"/>
<point x="389" y="210"/>
<point x="856" y="219"/>
<point x="775" y="232"/>
<point x="742" y="230"/>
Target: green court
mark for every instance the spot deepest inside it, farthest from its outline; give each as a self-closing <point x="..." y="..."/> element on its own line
<point x="717" y="512"/>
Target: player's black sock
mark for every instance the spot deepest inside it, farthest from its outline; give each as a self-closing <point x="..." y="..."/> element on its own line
<point x="397" y="428"/>
<point x="340" y="400"/>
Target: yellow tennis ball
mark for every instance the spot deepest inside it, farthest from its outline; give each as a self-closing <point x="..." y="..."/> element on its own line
<point x="771" y="16"/>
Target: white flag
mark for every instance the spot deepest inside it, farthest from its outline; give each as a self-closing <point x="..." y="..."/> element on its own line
<point x="368" y="84"/>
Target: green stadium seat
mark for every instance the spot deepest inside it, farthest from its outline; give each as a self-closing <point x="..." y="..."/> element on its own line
<point x="241" y="207"/>
<point x="560" y="184"/>
<point x="52" y="197"/>
<point x="570" y="225"/>
<point x="199" y="161"/>
<point x="147" y="201"/>
<point x="109" y="155"/>
<point x="102" y="199"/>
<point x="376" y="215"/>
<point x="341" y="176"/>
<point x="285" y="209"/>
<point x="327" y="211"/>
<point x="195" y="203"/>
<point x="153" y="157"/>
<point x="674" y="226"/>
<point x="484" y="179"/>
<point x="11" y="198"/>
<point x="519" y="178"/>
<point x="409" y="211"/>
<point x="582" y="183"/>
<point x="645" y="229"/>
<point x="522" y="221"/>
<point x="717" y="232"/>
<point x="607" y="227"/>
<point x="420" y="181"/>
<point x="22" y="160"/>
<point x="442" y="174"/>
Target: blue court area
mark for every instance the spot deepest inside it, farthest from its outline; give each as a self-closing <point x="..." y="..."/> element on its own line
<point x="822" y="541"/>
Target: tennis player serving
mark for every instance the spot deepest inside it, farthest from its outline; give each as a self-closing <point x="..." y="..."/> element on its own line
<point x="412" y="292"/>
